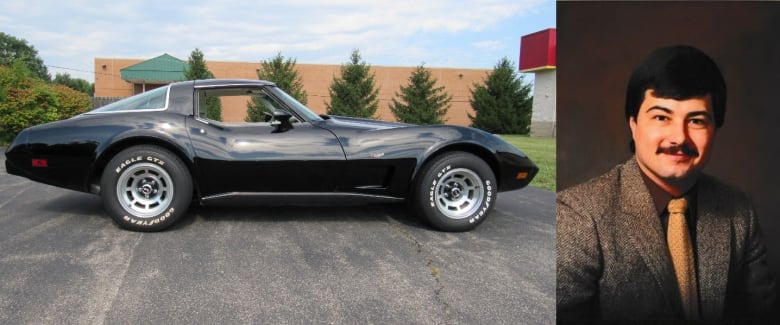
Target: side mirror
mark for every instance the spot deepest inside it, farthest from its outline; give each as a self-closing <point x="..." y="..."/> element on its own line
<point x="283" y="117"/>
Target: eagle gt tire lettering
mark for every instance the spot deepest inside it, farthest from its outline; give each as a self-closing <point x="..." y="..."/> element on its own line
<point x="455" y="191"/>
<point x="146" y="188"/>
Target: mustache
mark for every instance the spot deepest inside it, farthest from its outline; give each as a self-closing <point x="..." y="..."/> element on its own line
<point x="684" y="149"/>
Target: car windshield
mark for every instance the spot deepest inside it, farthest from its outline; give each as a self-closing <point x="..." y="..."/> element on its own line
<point x="153" y="99"/>
<point x="296" y="105"/>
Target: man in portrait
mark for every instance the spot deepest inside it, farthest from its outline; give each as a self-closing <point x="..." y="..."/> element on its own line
<point x="655" y="238"/>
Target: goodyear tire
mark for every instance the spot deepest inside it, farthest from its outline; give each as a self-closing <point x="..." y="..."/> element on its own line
<point x="146" y="188"/>
<point x="455" y="191"/>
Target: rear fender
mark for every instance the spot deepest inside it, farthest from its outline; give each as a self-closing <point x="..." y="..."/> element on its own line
<point x="177" y="145"/>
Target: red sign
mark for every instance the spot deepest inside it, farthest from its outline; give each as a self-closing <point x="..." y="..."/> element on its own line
<point x="537" y="51"/>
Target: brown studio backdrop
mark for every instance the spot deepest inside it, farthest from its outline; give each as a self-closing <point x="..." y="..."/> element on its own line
<point x="599" y="45"/>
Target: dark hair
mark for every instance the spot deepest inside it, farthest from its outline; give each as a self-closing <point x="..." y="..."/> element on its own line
<point x="677" y="72"/>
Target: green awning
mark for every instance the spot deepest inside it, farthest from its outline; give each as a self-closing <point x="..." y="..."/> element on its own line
<point x="162" y="69"/>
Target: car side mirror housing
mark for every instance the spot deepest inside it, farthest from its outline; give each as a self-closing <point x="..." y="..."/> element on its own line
<point x="283" y="117"/>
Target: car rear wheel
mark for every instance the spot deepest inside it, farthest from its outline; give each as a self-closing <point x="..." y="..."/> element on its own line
<point x="146" y="188"/>
<point x="455" y="191"/>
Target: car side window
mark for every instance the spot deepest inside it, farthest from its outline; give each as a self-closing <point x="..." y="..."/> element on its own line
<point x="237" y="105"/>
<point x="156" y="99"/>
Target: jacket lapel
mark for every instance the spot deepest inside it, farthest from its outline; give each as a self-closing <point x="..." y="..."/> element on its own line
<point x="644" y="232"/>
<point x="713" y="251"/>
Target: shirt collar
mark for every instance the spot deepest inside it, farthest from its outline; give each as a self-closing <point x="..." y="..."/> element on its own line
<point x="661" y="198"/>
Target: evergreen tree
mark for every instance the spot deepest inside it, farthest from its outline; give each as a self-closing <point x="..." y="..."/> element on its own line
<point x="423" y="102"/>
<point x="196" y="67"/>
<point x="12" y="49"/>
<point x="354" y="93"/>
<point x="281" y="72"/>
<point x="503" y="103"/>
<point x="196" y="70"/>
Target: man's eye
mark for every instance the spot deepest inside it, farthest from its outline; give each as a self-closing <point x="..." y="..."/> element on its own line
<point x="660" y="118"/>
<point x="699" y="122"/>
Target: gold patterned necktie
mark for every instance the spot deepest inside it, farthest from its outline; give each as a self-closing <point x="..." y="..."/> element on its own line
<point x="681" y="251"/>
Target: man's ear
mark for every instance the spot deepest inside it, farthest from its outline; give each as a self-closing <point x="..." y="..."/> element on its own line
<point x="632" y="125"/>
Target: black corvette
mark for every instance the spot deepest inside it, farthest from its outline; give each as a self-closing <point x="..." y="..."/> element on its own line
<point x="149" y="155"/>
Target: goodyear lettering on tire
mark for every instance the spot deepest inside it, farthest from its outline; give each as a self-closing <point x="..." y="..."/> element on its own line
<point x="149" y="222"/>
<point x="486" y="205"/>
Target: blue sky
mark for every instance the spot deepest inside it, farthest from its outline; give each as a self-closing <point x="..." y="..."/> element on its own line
<point x="438" y="33"/>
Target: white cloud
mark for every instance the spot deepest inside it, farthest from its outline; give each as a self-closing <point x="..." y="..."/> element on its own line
<point x="489" y="45"/>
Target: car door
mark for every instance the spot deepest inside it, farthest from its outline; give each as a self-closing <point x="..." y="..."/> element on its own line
<point x="238" y="152"/>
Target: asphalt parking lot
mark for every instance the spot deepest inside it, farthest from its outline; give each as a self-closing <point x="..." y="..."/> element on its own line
<point x="63" y="261"/>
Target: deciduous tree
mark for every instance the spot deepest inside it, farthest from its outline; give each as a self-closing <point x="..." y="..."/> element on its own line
<point x="12" y="49"/>
<point x="74" y="83"/>
<point x="26" y="100"/>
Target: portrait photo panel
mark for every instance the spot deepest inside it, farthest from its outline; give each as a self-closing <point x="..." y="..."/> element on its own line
<point x="600" y="44"/>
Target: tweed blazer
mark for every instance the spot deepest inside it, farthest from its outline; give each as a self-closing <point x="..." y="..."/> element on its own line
<point x="613" y="262"/>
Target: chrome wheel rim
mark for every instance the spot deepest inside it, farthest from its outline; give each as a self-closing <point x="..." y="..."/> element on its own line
<point x="145" y="190"/>
<point x="459" y="193"/>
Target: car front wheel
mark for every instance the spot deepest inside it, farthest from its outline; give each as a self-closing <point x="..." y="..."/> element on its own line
<point x="455" y="191"/>
<point x="146" y="188"/>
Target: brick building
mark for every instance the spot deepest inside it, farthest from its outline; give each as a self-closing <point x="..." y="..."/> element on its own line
<point x="116" y="77"/>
